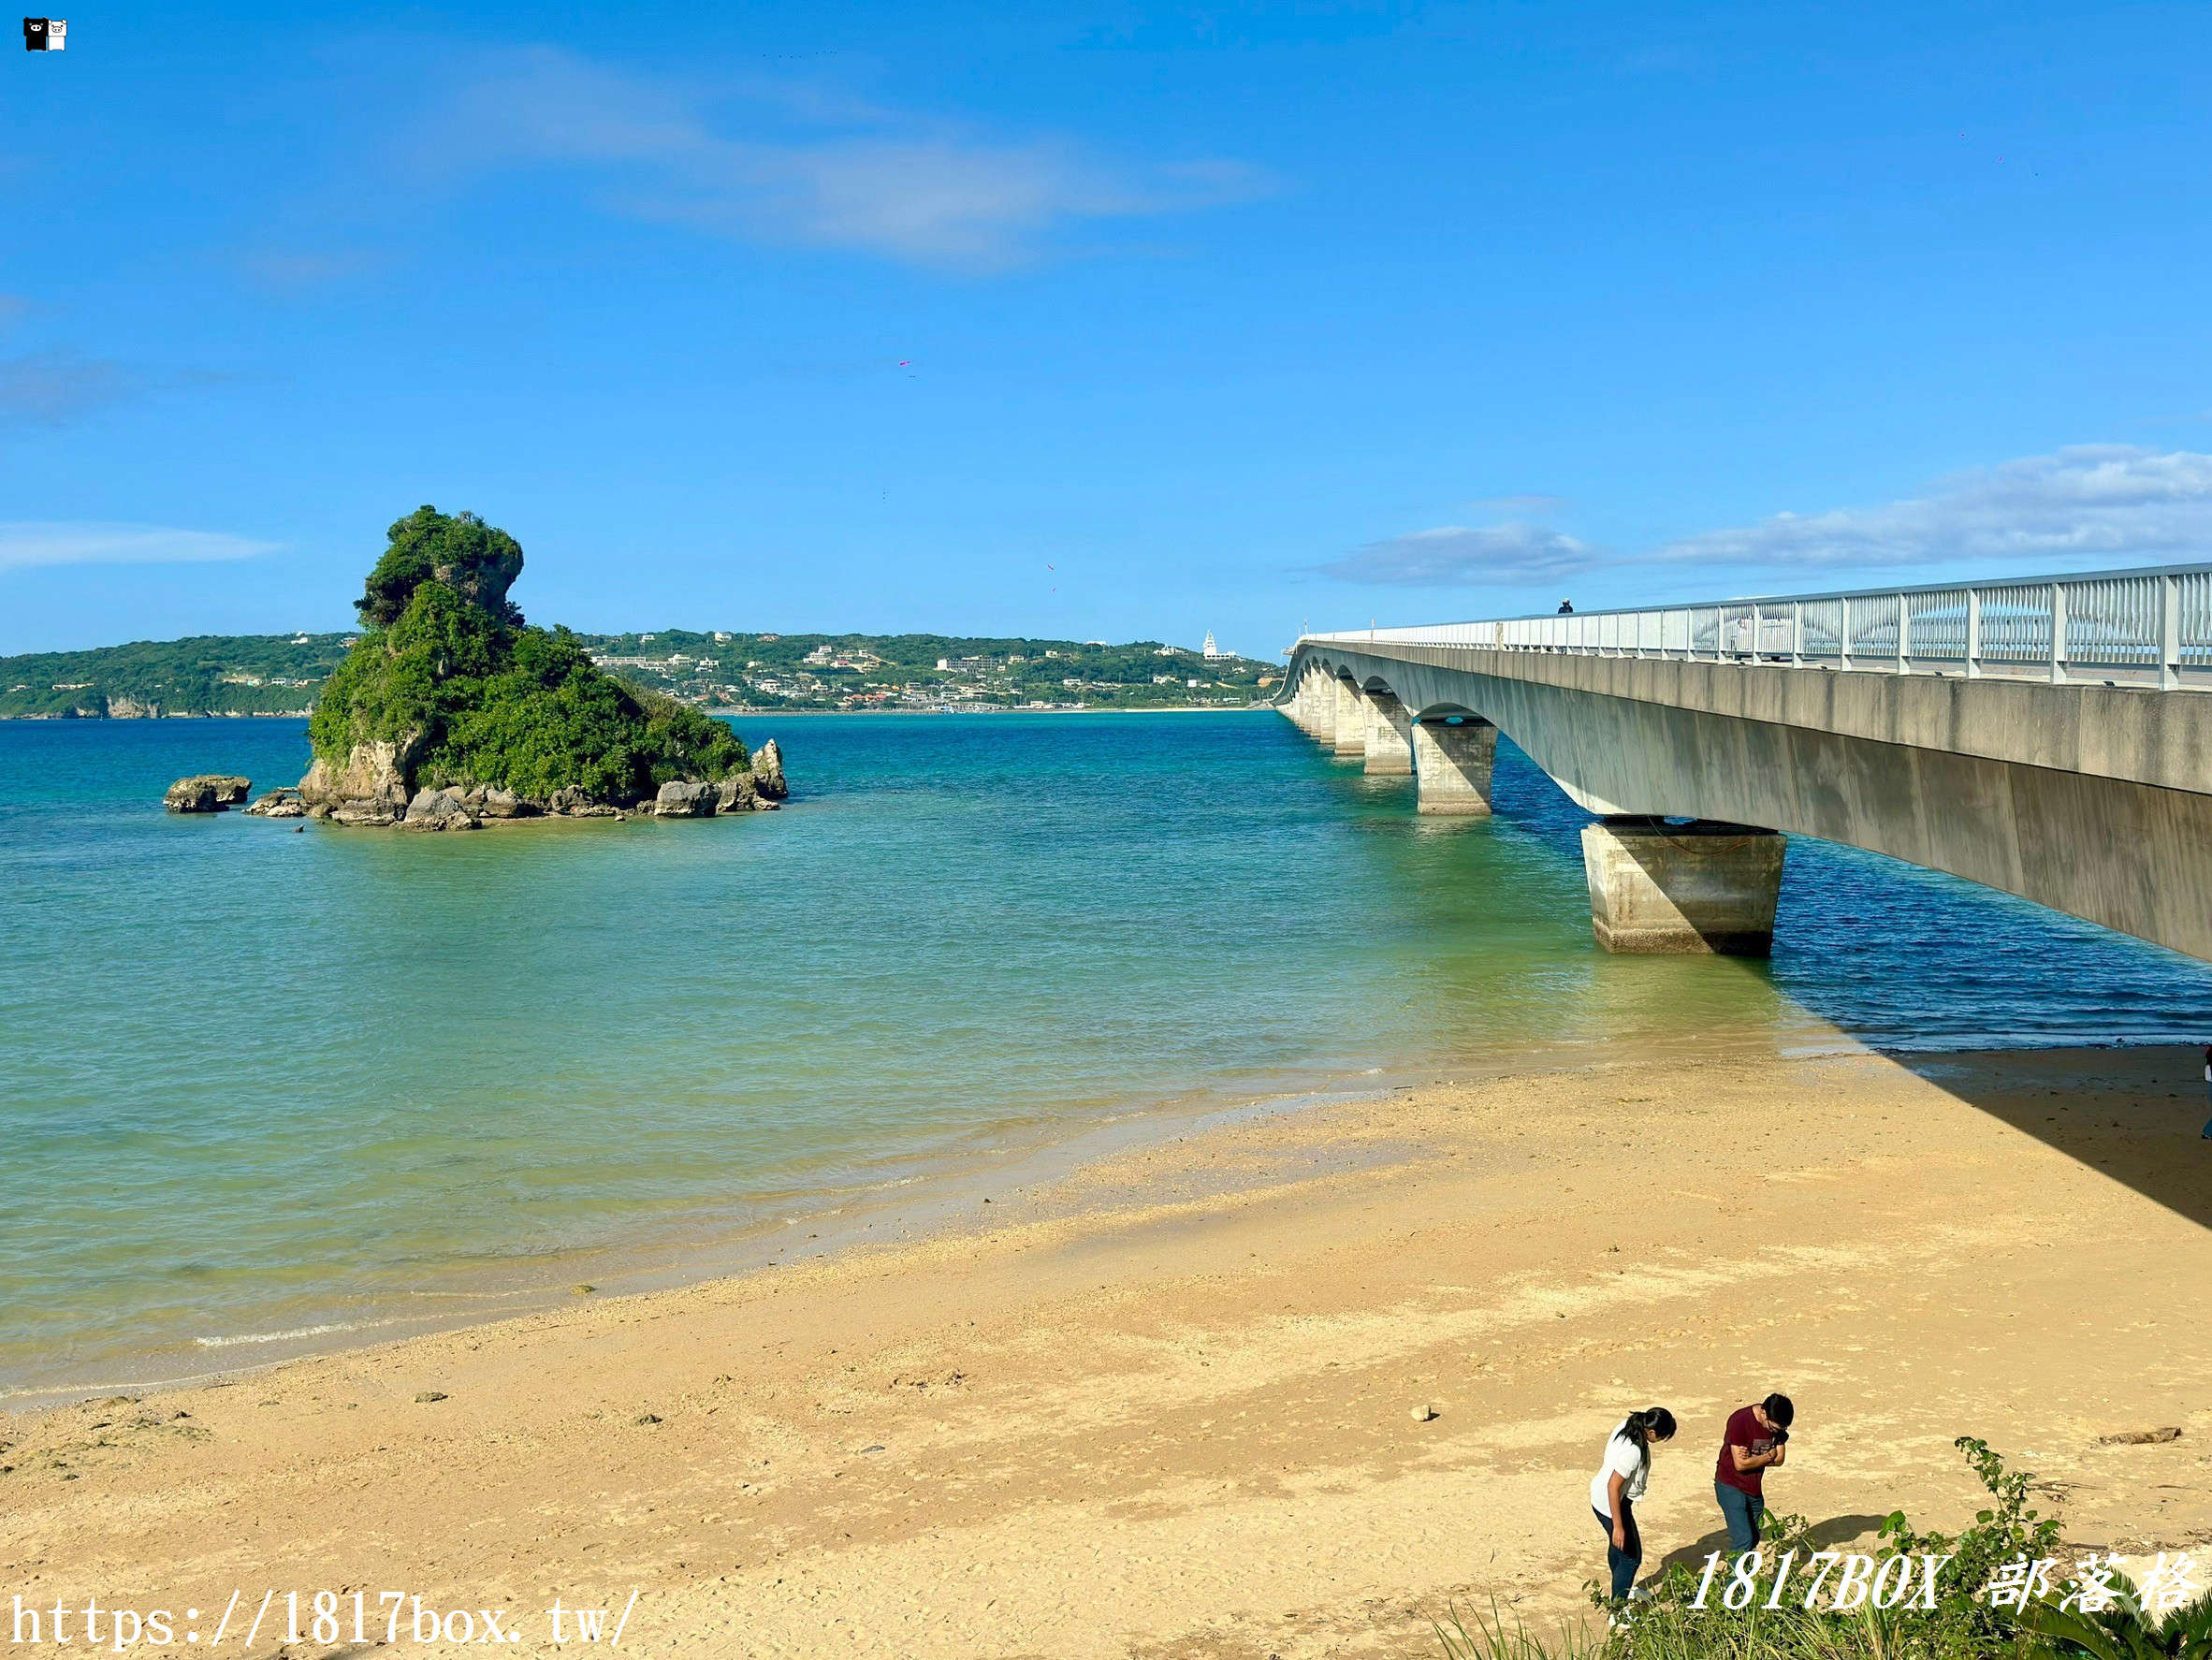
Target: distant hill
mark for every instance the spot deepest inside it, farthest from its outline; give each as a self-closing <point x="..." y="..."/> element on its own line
<point x="210" y="675"/>
<point x="281" y="674"/>
<point x="770" y="671"/>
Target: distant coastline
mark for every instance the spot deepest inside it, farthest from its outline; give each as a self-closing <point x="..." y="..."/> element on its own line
<point x="718" y="710"/>
<point x="1245" y="709"/>
<point x="76" y="715"/>
<point x="750" y="673"/>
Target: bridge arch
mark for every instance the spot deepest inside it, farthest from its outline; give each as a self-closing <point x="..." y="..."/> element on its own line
<point x="2094" y="800"/>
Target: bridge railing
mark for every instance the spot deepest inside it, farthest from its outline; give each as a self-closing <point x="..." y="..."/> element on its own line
<point x="2151" y="626"/>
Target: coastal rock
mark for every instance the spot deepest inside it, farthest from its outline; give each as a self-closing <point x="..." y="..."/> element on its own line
<point x="371" y="788"/>
<point x="191" y="796"/>
<point x="490" y="802"/>
<point x="768" y="771"/>
<point x="439" y="809"/>
<point x="206" y="792"/>
<point x="686" y="799"/>
<point x="279" y="803"/>
<point x="576" y="803"/>
<point x="738" y="794"/>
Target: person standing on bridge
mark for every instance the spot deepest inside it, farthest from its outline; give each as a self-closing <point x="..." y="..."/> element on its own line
<point x="1756" y="1439"/>
<point x="1567" y="607"/>
<point x="1619" y="1483"/>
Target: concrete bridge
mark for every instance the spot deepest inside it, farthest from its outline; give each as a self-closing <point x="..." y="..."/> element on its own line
<point x="2050" y="736"/>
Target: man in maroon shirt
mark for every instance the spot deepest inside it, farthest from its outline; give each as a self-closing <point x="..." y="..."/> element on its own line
<point x="1756" y="1440"/>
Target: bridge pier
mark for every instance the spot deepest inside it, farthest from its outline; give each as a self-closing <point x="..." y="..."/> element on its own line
<point x="1302" y="705"/>
<point x="1350" y="726"/>
<point x="1451" y="766"/>
<point x="1321" y="708"/>
<point x="1667" y="890"/>
<point x="1388" y="735"/>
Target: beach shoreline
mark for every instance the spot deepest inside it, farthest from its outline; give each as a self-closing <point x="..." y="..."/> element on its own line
<point x="895" y="1199"/>
<point x="1161" y="1402"/>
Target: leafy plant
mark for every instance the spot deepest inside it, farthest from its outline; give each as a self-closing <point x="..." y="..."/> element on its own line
<point x="1493" y="1639"/>
<point x="487" y="699"/>
<point x="1964" y="1625"/>
<point x="2125" y="1631"/>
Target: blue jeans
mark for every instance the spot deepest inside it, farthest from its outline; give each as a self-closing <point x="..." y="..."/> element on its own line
<point x="1743" y="1513"/>
<point x="1623" y="1564"/>
<point x="2207" y="1135"/>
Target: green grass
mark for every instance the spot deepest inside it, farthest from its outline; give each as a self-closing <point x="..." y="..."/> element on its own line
<point x="1962" y="1626"/>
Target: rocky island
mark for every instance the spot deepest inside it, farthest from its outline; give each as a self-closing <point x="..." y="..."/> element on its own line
<point x="207" y="793"/>
<point x="452" y="710"/>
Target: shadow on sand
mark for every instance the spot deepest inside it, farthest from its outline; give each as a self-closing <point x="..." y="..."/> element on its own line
<point x="2136" y="1114"/>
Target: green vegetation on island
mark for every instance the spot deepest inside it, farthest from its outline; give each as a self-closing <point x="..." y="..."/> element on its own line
<point x="463" y="693"/>
<point x="282" y="674"/>
<point x="209" y="674"/>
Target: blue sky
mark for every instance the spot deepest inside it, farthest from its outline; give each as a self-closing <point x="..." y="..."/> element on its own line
<point x="1101" y="321"/>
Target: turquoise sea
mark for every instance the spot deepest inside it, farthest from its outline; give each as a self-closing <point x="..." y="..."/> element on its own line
<point x="262" y="1090"/>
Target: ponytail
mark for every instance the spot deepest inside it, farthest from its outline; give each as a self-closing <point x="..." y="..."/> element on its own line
<point x="1653" y="1423"/>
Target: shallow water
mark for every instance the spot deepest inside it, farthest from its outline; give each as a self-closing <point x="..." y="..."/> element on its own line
<point x="254" y="1083"/>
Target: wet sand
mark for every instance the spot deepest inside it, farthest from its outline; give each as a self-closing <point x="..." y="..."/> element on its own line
<point x="1164" y="1407"/>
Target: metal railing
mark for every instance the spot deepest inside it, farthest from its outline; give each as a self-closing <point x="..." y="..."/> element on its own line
<point x="2151" y="626"/>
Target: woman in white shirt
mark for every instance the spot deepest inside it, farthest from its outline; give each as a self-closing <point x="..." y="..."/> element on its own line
<point x="1619" y="1483"/>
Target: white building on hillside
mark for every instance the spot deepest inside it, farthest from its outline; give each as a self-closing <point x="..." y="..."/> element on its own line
<point x="1209" y="648"/>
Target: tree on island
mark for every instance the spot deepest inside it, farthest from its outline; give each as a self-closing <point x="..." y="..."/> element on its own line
<point x="450" y="689"/>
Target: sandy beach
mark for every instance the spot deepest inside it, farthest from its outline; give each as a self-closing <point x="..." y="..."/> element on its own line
<point x="1165" y="1407"/>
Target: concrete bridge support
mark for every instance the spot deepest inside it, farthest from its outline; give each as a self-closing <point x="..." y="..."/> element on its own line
<point x="1451" y="766"/>
<point x="1670" y="890"/>
<point x="1390" y="736"/>
<point x="1302" y="709"/>
<point x="1305" y="705"/>
<point x="2095" y="800"/>
<point x="1351" y="719"/>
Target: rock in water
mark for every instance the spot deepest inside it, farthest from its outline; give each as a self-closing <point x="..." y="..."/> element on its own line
<point x="279" y="803"/>
<point x="371" y="788"/>
<point x="576" y="802"/>
<point x="686" y="799"/>
<point x="191" y="796"/>
<point x="740" y="793"/>
<point x="439" y="809"/>
<point x="768" y="771"/>
<point x="206" y="792"/>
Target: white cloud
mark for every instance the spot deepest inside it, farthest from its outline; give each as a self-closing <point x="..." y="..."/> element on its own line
<point x="1460" y="556"/>
<point x="2086" y="505"/>
<point x="26" y="543"/>
<point x="851" y="176"/>
<point x="2108" y="503"/>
